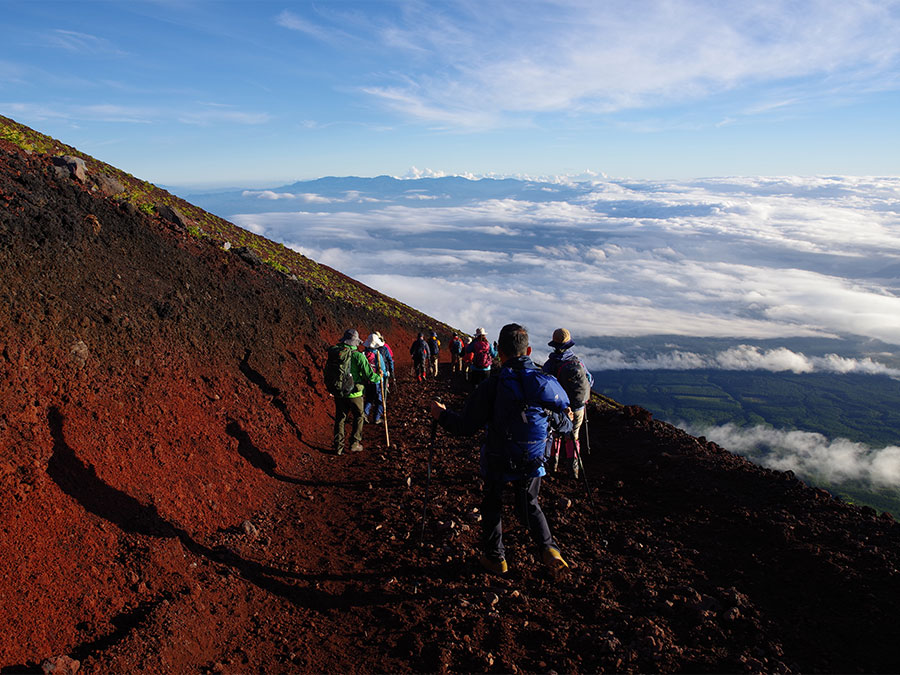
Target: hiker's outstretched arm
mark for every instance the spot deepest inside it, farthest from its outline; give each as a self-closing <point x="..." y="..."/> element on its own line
<point x="475" y="414"/>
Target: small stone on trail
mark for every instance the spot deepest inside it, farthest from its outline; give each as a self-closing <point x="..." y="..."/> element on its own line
<point x="60" y="665"/>
<point x="250" y="529"/>
<point x="409" y="481"/>
<point x="492" y="598"/>
<point x="79" y="353"/>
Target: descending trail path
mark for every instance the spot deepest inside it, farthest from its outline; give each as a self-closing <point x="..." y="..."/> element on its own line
<point x="668" y="574"/>
<point x="335" y="578"/>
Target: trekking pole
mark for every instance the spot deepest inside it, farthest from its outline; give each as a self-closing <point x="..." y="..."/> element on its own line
<point x="434" y="426"/>
<point x="387" y="438"/>
<point x="587" y="435"/>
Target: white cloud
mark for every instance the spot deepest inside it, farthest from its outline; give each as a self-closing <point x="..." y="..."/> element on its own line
<point x="810" y="454"/>
<point x="84" y="43"/>
<point x="496" y="62"/>
<point x="749" y="257"/>
<point x="742" y="357"/>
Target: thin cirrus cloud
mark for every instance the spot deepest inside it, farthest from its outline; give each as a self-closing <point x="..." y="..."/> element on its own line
<point x="750" y="258"/>
<point x="584" y="57"/>
<point x="200" y="115"/>
<point x="83" y="43"/>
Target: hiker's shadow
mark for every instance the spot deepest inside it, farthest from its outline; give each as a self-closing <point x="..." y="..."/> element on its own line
<point x="260" y="459"/>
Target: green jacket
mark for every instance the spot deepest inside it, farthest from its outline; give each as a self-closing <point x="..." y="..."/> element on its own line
<point x="361" y="371"/>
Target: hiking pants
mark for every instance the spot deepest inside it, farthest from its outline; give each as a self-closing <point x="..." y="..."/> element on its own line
<point x="434" y="365"/>
<point x="577" y="421"/>
<point x="344" y="407"/>
<point x="478" y="375"/>
<point x="527" y="510"/>
<point x="374" y="402"/>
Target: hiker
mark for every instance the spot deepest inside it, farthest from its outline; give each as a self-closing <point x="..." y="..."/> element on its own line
<point x="467" y="358"/>
<point x="346" y="373"/>
<point x="517" y="407"/>
<point x="434" y="349"/>
<point x="388" y="355"/>
<point x="566" y="367"/>
<point x="420" y="353"/>
<point x="482" y="357"/>
<point x="456" y="351"/>
<point x="373" y="391"/>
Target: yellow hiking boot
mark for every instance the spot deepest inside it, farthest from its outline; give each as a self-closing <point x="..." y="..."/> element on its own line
<point x="493" y="565"/>
<point x="554" y="560"/>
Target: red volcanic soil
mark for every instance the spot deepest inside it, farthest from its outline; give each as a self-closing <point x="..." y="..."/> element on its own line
<point x="169" y="505"/>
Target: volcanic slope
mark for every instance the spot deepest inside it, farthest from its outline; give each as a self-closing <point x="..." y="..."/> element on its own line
<point x="169" y="503"/>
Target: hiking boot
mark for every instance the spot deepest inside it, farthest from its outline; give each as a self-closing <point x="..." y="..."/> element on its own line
<point x="337" y="451"/>
<point x="356" y="447"/>
<point x="493" y="565"/>
<point x="554" y="560"/>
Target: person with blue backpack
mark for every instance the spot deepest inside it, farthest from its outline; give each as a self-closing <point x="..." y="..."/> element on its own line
<point x="420" y="353"/>
<point x="517" y="407"/>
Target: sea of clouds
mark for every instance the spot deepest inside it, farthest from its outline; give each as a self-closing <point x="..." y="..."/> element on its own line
<point x="741" y="357"/>
<point x="810" y="455"/>
<point x="737" y="257"/>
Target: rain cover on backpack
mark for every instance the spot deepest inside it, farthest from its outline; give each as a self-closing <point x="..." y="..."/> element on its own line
<point x="519" y="427"/>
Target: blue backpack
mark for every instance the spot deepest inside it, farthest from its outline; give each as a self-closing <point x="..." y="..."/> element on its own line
<point x="519" y="429"/>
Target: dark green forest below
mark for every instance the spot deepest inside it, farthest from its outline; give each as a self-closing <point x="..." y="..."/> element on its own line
<point x="861" y="408"/>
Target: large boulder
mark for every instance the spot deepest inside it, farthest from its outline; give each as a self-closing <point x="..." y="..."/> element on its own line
<point x="248" y="255"/>
<point x="171" y="214"/>
<point x="74" y="165"/>
<point x="108" y="185"/>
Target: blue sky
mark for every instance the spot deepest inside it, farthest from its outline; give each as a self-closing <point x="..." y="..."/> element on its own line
<point x="264" y="93"/>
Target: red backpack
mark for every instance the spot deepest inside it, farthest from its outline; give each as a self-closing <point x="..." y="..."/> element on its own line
<point x="482" y="354"/>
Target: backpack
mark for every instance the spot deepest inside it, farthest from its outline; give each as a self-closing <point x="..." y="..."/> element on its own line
<point x="434" y="345"/>
<point x="481" y="352"/>
<point x="337" y="375"/>
<point x="456" y="347"/>
<point x="420" y="351"/>
<point x="572" y="374"/>
<point x="519" y="426"/>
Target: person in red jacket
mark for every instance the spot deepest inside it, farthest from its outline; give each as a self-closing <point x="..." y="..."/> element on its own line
<point x="483" y="354"/>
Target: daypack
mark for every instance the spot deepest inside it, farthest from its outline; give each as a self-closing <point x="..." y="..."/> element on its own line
<point x="456" y="346"/>
<point x="434" y="345"/>
<point x="572" y="374"/>
<point x="419" y="351"/>
<point x="481" y="354"/>
<point x="337" y="375"/>
<point x="519" y="427"/>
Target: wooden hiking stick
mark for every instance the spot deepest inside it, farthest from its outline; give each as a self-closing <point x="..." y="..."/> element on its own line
<point x="387" y="438"/>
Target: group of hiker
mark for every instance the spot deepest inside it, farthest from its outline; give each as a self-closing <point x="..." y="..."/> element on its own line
<point x="531" y="416"/>
<point x="472" y="358"/>
<point x="359" y="382"/>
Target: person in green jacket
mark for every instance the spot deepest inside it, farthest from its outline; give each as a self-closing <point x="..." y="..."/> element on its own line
<point x="352" y="403"/>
